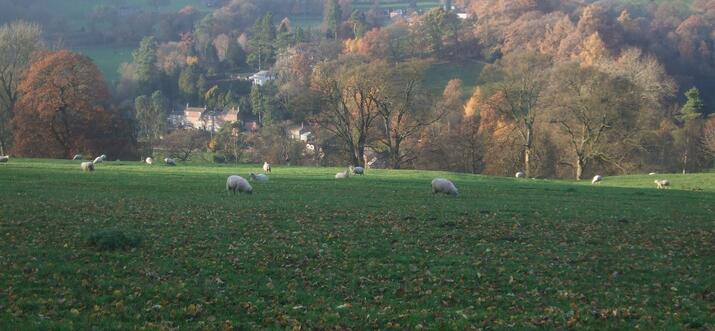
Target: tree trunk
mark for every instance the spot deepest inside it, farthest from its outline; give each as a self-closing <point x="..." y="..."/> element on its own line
<point x="579" y="168"/>
<point x="527" y="153"/>
<point x="685" y="154"/>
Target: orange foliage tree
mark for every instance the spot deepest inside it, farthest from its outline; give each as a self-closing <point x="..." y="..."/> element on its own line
<point x="64" y="109"/>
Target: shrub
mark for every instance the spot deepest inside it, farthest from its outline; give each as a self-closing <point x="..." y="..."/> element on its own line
<point x="112" y="239"/>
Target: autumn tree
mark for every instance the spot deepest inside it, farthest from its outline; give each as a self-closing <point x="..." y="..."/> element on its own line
<point x="520" y="79"/>
<point x="348" y="109"/>
<point x="471" y="140"/>
<point x="64" y="108"/>
<point x="404" y="108"/>
<point x="18" y="41"/>
<point x="709" y="136"/>
<point x="595" y="112"/>
<point x="183" y="143"/>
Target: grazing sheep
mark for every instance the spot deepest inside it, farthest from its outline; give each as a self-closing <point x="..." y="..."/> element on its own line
<point x="343" y="174"/>
<point x="357" y="170"/>
<point x="597" y="179"/>
<point x="238" y="184"/>
<point x="87" y="166"/>
<point x="98" y="159"/>
<point x="149" y="160"/>
<point x="4" y="159"/>
<point x="170" y="161"/>
<point x="441" y="185"/>
<point x="662" y="183"/>
<point x="520" y="175"/>
<point x="266" y="167"/>
<point x="77" y="157"/>
<point x="652" y="174"/>
<point x="259" y="177"/>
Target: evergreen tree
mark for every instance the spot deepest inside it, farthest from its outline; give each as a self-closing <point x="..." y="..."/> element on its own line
<point x="694" y="106"/>
<point x="188" y="80"/>
<point x="332" y="18"/>
<point x="145" y="60"/>
<point x="262" y="43"/>
<point x="211" y="60"/>
<point x="357" y="19"/>
<point x="235" y="55"/>
<point x="299" y="35"/>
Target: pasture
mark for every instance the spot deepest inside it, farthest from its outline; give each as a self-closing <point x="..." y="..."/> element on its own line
<point x="378" y="251"/>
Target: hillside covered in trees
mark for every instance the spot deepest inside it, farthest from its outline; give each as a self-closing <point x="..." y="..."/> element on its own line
<point x="554" y="88"/>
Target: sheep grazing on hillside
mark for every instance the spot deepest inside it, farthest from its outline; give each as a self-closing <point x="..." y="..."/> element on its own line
<point x="98" y="159"/>
<point x="259" y="177"/>
<point x="238" y="184"/>
<point x="4" y="159"/>
<point x="520" y="175"/>
<point x="357" y="170"/>
<point x="170" y="161"/>
<point x="77" y="157"/>
<point x="441" y="185"/>
<point x="149" y="160"/>
<point x="343" y="174"/>
<point x="87" y="166"/>
<point x="662" y="183"/>
<point x="597" y="179"/>
<point x="266" y="167"/>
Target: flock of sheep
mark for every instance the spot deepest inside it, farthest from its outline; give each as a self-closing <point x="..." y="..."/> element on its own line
<point x="239" y="184"/>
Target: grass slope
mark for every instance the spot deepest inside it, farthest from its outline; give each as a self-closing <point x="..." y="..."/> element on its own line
<point x="439" y="74"/>
<point x="108" y="59"/>
<point x="371" y="252"/>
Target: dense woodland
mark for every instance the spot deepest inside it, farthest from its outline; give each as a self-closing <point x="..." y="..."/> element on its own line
<point x="568" y="88"/>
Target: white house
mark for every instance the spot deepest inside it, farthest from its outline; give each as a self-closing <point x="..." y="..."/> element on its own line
<point x="262" y="77"/>
<point x="300" y="133"/>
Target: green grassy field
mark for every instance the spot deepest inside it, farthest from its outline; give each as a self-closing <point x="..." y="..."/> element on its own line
<point x="378" y="251"/>
<point x="108" y="59"/>
<point x="439" y="74"/>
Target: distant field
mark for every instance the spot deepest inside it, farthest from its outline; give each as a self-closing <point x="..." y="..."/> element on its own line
<point x="439" y="74"/>
<point x="76" y="12"/>
<point x="108" y="59"/>
<point x="378" y="252"/>
<point x="394" y="4"/>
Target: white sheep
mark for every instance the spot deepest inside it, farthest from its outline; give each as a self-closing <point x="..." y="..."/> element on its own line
<point x="343" y="174"/>
<point x="357" y="170"/>
<point x="87" y="166"/>
<point x="149" y="160"/>
<point x="441" y="185"/>
<point x="520" y="174"/>
<point x="98" y="159"/>
<point x="652" y="174"/>
<point x="259" y="177"/>
<point x="597" y="179"/>
<point x="77" y="157"/>
<point x="170" y="161"/>
<point x="662" y="183"/>
<point x="4" y="159"/>
<point x="266" y="167"/>
<point x="238" y="184"/>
